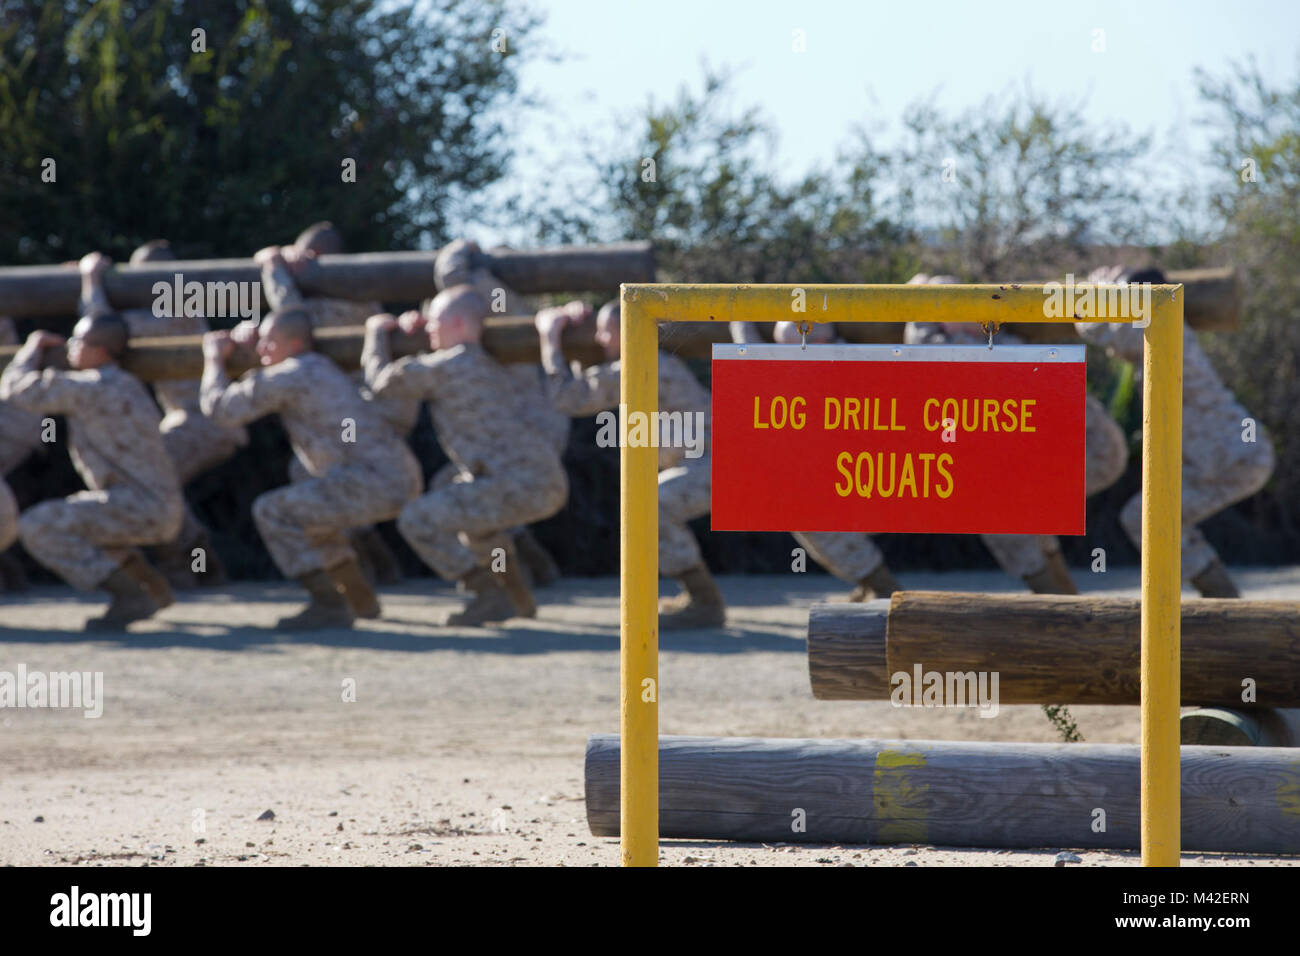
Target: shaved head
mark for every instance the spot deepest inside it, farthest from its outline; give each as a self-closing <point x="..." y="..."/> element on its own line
<point x="295" y="324"/>
<point x="155" y="250"/>
<point x="463" y="301"/>
<point x="321" y="238"/>
<point x="609" y="329"/>
<point x="108" y="331"/>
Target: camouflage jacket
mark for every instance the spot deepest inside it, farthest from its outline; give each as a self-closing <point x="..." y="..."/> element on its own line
<point x="597" y="388"/>
<point x="328" y="421"/>
<point x="113" y="436"/>
<point x="477" y="410"/>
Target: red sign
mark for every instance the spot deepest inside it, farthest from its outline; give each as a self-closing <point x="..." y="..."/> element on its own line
<point x="959" y="439"/>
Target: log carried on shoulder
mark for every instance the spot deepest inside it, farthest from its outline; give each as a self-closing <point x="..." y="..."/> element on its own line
<point x="513" y="339"/>
<point x="34" y="291"/>
<point x="508" y="339"/>
<point x="1053" y="649"/>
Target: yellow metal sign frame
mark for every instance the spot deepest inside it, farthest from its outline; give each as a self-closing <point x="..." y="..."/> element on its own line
<point x="644" y="306"/>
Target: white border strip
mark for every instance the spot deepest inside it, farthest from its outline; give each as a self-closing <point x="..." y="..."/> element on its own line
<point x="903" y="353"/>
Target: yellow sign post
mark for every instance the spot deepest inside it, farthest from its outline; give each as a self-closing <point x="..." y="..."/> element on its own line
<point x="644" y="306"/>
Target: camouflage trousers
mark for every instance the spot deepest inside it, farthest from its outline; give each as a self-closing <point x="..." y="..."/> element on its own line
<point x="8" y="516"/>
<point x="1105" y="458"/>
<point x="684" y="494"/>
<point x="400" y="414"/>
<point x="195" y="443"/>
<point x="457" y="524"/>
<point x="305" y="524"/>
<point x="85" y="537"/>
<point x="850" y="557"/>
<point x="20" y="433"/>
<point x="1208" y="488"/>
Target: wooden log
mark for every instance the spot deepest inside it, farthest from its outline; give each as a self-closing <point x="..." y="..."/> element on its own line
<point x="849" y="653"/>
<point x="34" y="291"/>
<point x="948" y="793"/>
<point x="509" y="339"/>
<point x="1212" y="304"/>
<point x="1053" y="649"/>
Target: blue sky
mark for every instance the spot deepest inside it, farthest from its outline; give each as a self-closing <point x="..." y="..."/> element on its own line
<point x="866" y="61"/>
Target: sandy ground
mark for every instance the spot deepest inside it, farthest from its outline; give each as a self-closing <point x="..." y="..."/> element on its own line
<point x="461" y="747"/>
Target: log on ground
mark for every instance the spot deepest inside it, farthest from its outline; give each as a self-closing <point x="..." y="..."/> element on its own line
<point x="1011" y="795"/>
<point x="1054" y="649"/>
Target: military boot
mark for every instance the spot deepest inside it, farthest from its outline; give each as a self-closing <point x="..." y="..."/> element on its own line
<point x="131" y="601"/>
<point x="490" y="604"/>
<point x="699" y="605"/>
<point x="541" y="566"/>
<point x="156" y="584"/>
<point x="1053" y="579"/>
<point x="328" y="607"/>
<point x="356" y="589"/>
<point x="1214" y="582"/>
<point x="377" y="558"/>
<point x="879" y="583"/>
<point x="515" y="582"/>
<point x="12" y="575"/>
<point x="173" y="560"/>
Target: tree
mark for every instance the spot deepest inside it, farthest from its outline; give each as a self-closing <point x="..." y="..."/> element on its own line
<point x="698" y="177"/>
<point x="225" y="125"/>
<point x="1014" y="184"/>
<point x="1257" y="198"/>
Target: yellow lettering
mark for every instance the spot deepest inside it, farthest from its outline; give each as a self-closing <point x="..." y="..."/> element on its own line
<point x="840" y="463"/>
<point x="893" y="417"/>
<point x="864" y="491"/>
<point x="835" y="402"/>
<point x="908" y="478"/>
<point x="925" y="414"/>
<point x="1009" y="410"/>
<point x="990" y="414"/>
<point x="757" y="423"/>
<point x="797" y="419"/>
<point x="851" y="412"/>
<point x="944" y="492"/>
<point x="1025" y="413"/>
<point x="926" y="458"/>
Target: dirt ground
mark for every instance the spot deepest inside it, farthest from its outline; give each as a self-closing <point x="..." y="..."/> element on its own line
<point x="462" y="747"/>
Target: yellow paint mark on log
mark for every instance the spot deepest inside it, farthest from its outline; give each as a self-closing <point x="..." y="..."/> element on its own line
<point x="899" y="799"/>
<point x="1288" y="792"/>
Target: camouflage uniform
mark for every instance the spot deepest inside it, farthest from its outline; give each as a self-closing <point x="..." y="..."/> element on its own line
<point x="20" y="431"/>
<point x="1105" y="453"/>
<point x="455" y="267"/>
<point x="1219" y="468"/>
<point x="350" y="483"/>
<point x="134" y="497"/>
<point x="849" y="556"/>
<point x="282" y="293"/>
<point x="506" y="473"/>
<point x="8" y="516"/>
<point x="684" y="483"/>
<point x="193" y="441"/>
